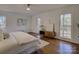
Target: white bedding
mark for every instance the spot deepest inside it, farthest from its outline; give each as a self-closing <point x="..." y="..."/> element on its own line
<point x="19" y="42"/>
<point x="23" y="38"/>
<point x="28" y="48"/>
<point x="25" y="48"/>
<point x="7" y="44"/>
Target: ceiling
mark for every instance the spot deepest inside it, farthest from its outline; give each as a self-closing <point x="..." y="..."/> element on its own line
<point x="35" y="8"/>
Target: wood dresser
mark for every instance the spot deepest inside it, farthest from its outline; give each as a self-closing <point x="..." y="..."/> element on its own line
<point x="48" y="34"/>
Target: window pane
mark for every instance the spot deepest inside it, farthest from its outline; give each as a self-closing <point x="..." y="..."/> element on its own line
<point x="65" y="25"/>
<point x="67" y="19"/>
<point x="67" y="36"/>
<point x="61" y="20"/>
<point x="2" y="22"/>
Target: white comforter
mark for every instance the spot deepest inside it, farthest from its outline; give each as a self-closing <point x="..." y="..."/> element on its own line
<point x="15" y="39"/>
<point x="23" y="38"/>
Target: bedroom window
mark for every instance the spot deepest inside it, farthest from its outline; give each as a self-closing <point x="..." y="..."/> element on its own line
<point x="65" y="26"/>
<point x="2" y="22"/>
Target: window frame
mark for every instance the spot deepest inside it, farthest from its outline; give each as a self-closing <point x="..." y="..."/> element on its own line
<point x="3" y="22"/>
<point x="65" y="25"/>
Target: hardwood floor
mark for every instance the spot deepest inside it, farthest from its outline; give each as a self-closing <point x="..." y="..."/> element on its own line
<point x="57" y="46"/>
<point x="60" y="47"/>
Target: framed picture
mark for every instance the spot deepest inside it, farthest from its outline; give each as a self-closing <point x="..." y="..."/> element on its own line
<point x="20" y="22"/>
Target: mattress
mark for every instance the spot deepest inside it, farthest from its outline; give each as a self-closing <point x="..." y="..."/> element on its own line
<point x="21" y="43"/>
<point x="28" y="48"/>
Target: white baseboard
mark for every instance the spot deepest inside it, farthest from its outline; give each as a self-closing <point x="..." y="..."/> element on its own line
<point x="69" y="40"/>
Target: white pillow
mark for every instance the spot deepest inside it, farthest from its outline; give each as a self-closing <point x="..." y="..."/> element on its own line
<point x="22" y="37"/>
<point x="6" y="35"/>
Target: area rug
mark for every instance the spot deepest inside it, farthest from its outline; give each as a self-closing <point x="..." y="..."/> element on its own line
<point x="37" y="50"/>
<point x="43" y="44"/>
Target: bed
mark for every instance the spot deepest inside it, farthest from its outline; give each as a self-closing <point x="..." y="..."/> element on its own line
<point x="21" y="43"/>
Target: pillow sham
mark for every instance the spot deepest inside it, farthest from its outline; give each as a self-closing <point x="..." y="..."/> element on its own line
<point x="3" y="34"/>
<point x="7" y="44"/>
<point x="6" y="35"/>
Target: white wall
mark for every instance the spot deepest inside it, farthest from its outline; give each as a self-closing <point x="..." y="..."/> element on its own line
<point x="11" y="21"/>
<point x="53" y="16"/>
<point x="47" y="19"/>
